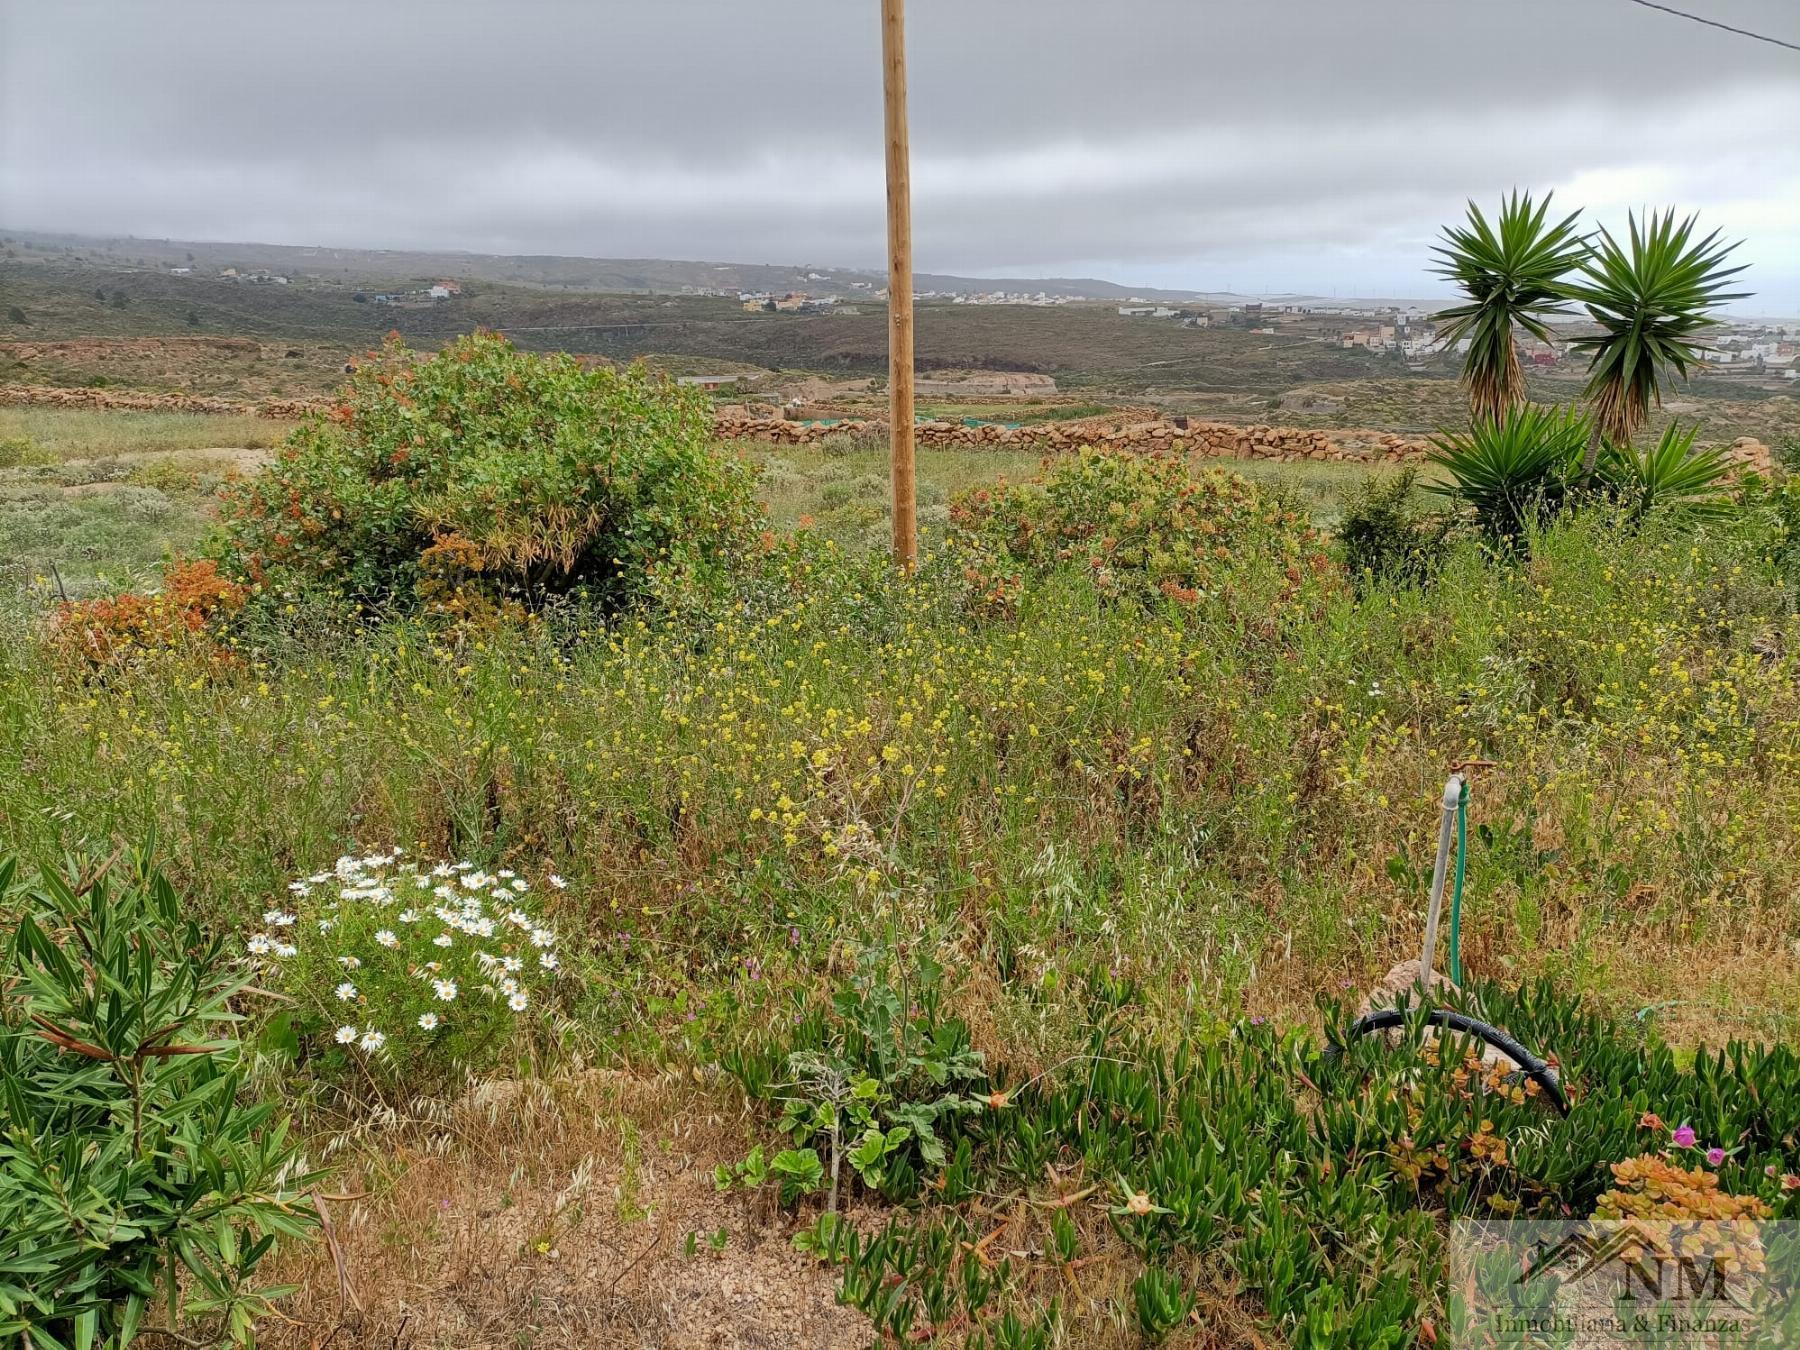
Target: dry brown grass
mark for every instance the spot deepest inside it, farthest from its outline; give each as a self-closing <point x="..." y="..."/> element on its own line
<point x="555" y="1214"/>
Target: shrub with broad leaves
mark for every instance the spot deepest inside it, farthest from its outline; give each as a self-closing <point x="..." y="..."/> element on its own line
<point x="420" y="973"/>
<point x="483" y="478"/>
<point x="1140" y="525"/>
<point x="138" y="1179"/>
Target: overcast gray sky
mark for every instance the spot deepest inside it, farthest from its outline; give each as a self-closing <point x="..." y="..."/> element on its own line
<point x="1252" y="144"/>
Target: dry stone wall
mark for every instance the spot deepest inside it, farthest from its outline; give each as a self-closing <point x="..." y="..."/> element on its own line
<point x="137" y="400"/>
<point x="1127" y="429"/>
<point x="1139" y="432"/>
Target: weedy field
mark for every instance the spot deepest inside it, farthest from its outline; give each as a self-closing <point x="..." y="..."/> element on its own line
<point x="707" y="936"/>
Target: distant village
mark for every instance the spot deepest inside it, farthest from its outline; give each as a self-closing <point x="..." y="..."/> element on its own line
<point x="1408" y="332"/>
<point x="258" y="276"/>
<point x="1745" y="348"/>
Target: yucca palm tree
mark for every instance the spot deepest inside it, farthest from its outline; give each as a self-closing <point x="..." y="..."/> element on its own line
<point x="1671" y="476"/>
<point x="1514" y="469"/>
<point x="1512" y="272"/>
<point x="1651" y="300"/>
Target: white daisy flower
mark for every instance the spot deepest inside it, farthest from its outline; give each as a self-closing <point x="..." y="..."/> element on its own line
<point x="345" y="1035"/>
<point x="386" y="938"/>
<point x="285" y="949"/>
<point x="373" y="1039"/>
<point x="521" y="885"/>
<point x="506" y="874"/>
<point x="517" y="1002"/>
<point x="511" y="965"/>
<point x="547" y="960"/>
<point x="409" y="916"/>
<point x="428" y="1021"/>
<point x="542" y="937"/>
<point x="350" y="962"/>
<point x="557" y="882"/>
<point x="345" y="992"/>
<point x="259" y="944"/>
<point x="445" y="990"/>
<point x="441" y="940"/>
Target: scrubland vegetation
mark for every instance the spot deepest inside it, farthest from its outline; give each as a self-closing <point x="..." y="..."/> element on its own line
<point x="983" y="927"/>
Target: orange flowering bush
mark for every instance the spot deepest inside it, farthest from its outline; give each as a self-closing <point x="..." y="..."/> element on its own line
<point x="114" y="629"/>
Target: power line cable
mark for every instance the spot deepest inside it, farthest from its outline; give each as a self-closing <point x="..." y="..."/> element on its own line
<point x="1714" y="23"/>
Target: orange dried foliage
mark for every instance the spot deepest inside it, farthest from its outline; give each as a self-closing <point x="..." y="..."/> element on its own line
<point x="117" y="628"/>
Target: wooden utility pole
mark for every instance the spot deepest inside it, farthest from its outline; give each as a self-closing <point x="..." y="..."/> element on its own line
<point x="900" y="284"/>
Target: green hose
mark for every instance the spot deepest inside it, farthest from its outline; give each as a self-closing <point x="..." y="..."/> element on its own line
<point x="1462" y="855"/>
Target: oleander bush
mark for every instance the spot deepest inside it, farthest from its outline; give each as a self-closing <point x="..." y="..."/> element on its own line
<point x="141" y="1186"/>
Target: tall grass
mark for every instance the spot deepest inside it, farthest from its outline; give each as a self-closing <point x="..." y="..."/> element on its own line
<point x="1081" y="780"/>
<point x="97" y="433"/>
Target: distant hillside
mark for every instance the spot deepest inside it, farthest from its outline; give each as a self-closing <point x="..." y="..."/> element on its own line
<point x="384" y="267"/>
<point x="1082" y="345"/>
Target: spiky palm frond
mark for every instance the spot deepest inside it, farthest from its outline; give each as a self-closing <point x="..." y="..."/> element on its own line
<point x="1512" y="272"/>
<point x="1671" y="476"/>
<point x="1651" y="299"/>
<point x="1515" y="469"/>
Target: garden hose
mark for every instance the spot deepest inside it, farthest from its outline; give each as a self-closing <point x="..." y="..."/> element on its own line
<point x="1456" y="819"/>
<point x="1529" y="1064"/>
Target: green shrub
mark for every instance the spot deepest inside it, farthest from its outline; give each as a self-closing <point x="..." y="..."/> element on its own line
<point x="1386" y="535"/>
<point x="486" y="476"/>
<point x="1787" y="453"/>
<point x="424" y="975"/>
<point x="1140" y="525"/>
<point x="874" y="1081"/>
<point x="1517" y="471"/>
<point x="17" y="452"/>
<point x="127" y="1154"/>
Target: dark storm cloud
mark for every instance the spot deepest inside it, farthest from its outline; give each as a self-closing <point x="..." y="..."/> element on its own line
<point x="1286" y="143"/>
